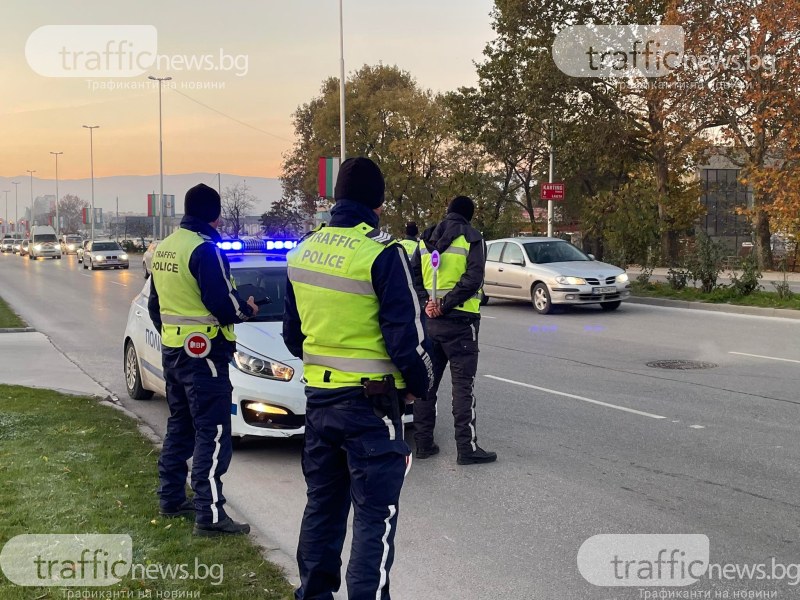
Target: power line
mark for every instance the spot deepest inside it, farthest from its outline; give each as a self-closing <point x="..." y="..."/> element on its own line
<point x="227" y="116"/>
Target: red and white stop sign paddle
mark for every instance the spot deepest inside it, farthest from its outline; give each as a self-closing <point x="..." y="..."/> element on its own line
<point x="197" y="345"/>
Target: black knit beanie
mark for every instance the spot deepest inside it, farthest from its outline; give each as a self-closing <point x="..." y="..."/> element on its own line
<point x="462" y="205"/>
<point x="203" y="202"/>
<point x="411" y="229"/>
<point x="360" y="180"/>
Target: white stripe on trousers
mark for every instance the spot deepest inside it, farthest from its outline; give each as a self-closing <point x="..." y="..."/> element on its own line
<point x="212" y="480"/>
<point x="384" y="558"/>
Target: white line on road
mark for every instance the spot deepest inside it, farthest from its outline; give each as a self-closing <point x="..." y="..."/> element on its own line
<point x="118" y="283"/>
<point x="697" y="427"/>
<point x="767" y="357"/>
<point x="487" y="317"/>
<point x="589" y="400"/>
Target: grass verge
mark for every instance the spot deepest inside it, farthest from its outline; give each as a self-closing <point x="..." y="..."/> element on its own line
<point x="8" y="318"/>
<point x="724" y="295"/>
<point x="70" y="465"/>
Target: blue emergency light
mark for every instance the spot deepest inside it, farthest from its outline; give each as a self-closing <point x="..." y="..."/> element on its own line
<point x="257" y="245"/>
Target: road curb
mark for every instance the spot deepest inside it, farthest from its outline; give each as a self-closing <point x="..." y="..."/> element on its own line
<point x="17" y="330"/>
<point x="783" y="313"/>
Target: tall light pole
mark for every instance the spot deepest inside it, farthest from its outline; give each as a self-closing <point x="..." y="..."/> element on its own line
<point x="5" y="222"/>
<point x="550" y="179"/>
<point x="16" y="205"/>
<point x="91" y="167"/>
<point x="58" y="222"/>
<point x="160" y="80"/>
<point x="32" y="221"/>
<point x="341" y="83"/>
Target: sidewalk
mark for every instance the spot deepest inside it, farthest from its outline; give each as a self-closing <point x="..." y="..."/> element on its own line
<point x="660" y="274"/>
<point x="30" y="359"/>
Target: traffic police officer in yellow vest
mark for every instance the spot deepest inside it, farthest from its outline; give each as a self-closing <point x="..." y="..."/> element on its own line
<point x="353" y="316"/>
<point x="410" y="242"/>
<point x="453" y="311"/>
<point x="194" y="304"/>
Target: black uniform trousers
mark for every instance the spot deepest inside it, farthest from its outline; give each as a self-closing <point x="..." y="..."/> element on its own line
<point x="199" y="427"/>
<point x="453" y="340"/>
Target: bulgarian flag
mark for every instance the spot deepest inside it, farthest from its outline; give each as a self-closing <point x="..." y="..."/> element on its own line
<point x="152" y="208"/>
<point x="328" y="170"/>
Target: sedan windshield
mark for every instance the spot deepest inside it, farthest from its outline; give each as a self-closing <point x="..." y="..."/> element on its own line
<point x="552" y="252"/>
<point x="105" y="246"/>
<point x="271" y="283"/>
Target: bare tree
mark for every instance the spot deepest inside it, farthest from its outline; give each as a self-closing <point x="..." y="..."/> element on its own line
<point x="237" y="202"/>
<point x="70" y="210"/>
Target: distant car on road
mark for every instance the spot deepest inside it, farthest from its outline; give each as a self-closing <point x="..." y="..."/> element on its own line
<point x="71" y="243"/>
<point x="44" y="243"/>
<point x="23" y="247"/>
<point x="549" y="272"/>
<point x="147" y="259"/>
<point x="9" y="239"/>
<point x="105" y="254"/>
<point x="15" y="248"/>
<point x="82" y="250"/>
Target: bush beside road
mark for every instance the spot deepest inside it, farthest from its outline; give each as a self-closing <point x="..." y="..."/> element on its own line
<point x="721" y="295"/>
<point x="71" y="465"/>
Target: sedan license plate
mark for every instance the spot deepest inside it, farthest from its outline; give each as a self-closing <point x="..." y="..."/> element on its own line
<point x="605" y="290"/>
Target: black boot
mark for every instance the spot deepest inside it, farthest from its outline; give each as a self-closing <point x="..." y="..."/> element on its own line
<point x="186" y="509"/>
<point x="478" y="456"/>
<point x="427" y="451"/>
<point x="225" y="527"/>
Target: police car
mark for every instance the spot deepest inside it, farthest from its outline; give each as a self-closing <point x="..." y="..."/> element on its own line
<point x="268" y="392"/>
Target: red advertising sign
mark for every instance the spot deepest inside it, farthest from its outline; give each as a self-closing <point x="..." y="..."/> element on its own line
<point x="553" y="191"/>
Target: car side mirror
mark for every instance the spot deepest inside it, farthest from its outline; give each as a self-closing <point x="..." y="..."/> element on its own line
<point x="591" y="256"/>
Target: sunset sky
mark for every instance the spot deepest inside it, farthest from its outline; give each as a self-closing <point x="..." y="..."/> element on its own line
<point x="290" y="47"/>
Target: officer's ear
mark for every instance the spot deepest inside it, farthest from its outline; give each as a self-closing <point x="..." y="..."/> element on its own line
<point x="215" y="222"/>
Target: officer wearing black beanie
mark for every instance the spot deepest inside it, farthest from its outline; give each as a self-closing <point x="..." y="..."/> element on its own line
<point x="194" y="305"/>
<point x="352" y="316"/>
<point x="410" y="242"/>
<point x="453" y="311"/>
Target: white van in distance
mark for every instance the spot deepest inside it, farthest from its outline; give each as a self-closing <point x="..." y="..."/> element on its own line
<point x="44" y="242"/>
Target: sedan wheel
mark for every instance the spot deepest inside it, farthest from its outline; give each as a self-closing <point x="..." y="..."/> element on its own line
<point x="540" y="297"/>
<point x="91" y="265"/>
<point x="133" y="379"/>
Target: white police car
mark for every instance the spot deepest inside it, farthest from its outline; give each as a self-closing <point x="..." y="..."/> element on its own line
<point x="268" y="393"/>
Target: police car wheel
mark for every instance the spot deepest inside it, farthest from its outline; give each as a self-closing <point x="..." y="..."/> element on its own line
<point x="133" y="379"/>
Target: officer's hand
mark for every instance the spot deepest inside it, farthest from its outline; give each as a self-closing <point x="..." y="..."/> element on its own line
<point x="251" y="302"/>
<point x="433" y="309"/>
<point x="410" y="398"/>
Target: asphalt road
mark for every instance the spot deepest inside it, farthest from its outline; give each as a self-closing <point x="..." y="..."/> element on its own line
<point x="591" y="440"/>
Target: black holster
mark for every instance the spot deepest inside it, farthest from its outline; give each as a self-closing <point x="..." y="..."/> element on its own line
<point x="383" y="395"/>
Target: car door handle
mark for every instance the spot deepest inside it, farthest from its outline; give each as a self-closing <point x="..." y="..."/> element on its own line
<point x="138" y="313"/>
<point x="501" y="270"/>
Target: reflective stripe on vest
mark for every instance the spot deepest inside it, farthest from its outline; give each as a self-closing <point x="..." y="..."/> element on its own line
<point x="182" y="310"/>
<point x="452" y="265"/>
<point x="331" y="276"/>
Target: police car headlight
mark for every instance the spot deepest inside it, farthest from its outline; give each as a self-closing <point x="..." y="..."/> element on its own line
<point x="262" y="366"/>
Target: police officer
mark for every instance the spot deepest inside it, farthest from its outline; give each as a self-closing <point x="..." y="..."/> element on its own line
<point x="194" y="305"/>
<point x="353" y="316"/>
<point x="410" y="242"/>
<point x="453" y="311"/>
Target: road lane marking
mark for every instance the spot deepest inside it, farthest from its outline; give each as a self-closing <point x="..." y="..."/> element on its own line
<point x="589" y="400"/>
<point x="767" y="357"/>
<point x="118" y="283"/>
<point x="487" y="317"/>
<point x="697" y="427"/>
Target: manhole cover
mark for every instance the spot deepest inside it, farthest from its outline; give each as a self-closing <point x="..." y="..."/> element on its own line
<point x="681" y="365"/>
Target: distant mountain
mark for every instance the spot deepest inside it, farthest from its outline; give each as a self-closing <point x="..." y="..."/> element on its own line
<point x="132" y="190"/>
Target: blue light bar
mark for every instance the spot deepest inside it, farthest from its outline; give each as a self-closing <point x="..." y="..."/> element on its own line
<point x="257" y="245"/>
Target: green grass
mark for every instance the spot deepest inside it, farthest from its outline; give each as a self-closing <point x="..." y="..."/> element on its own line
<point x="722" y="295"/>
<point x="70" y="465"/>
<point x="8" y="318"/>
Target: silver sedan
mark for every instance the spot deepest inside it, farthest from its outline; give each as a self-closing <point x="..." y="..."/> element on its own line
<point x="550" y="271"/>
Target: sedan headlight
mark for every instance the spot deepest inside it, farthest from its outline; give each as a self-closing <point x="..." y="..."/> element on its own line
<point x="570" y="280"/>
<point x="622" y="278"/>
<point x="123" y="257"/>
<point x="99" y="257"/>
<point x="262" y="367"/>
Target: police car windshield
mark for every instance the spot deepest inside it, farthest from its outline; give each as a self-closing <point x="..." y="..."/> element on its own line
<point x="271" y="282"/>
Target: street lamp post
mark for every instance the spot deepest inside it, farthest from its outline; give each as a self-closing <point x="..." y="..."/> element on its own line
<point x="550" y="179"/>
<point x="91" y="167"/>
<point x="58" y="222"/>
<point x="5" y="222"/>
<point x="341" y="84"/>
<point x="16" y="205"/>
<point x="160" y="80"/>
<point x="31" y="221"/>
